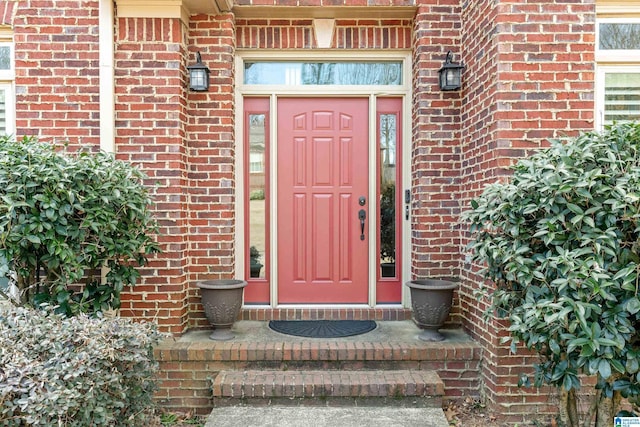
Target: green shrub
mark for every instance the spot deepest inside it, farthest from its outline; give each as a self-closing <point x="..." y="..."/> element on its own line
<point x="256" y="195"/>
<point x="561" y="242"/>
<point x="64" y="217"/>
<point x="74" y="371"/>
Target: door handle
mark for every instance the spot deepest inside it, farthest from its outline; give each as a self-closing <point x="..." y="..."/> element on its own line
<point x="362" y="215"/>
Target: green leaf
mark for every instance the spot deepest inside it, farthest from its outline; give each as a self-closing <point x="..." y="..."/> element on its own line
<point x="33" y="239"/>
<point x="604" y="368"/>
<point x="633" y="305"/>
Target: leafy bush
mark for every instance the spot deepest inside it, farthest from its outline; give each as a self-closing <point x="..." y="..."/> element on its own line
<point x="561" y="242"/>
<point x="63" y="217"/>
<point x="76" y="371"/>
<point x="256" y="195"/>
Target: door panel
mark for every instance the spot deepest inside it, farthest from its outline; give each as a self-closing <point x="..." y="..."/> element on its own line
<point x="322" y="172"/>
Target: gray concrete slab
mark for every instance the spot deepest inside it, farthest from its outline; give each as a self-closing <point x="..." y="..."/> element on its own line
<point x="386" y="331"/>
<point x="279" y="416"/>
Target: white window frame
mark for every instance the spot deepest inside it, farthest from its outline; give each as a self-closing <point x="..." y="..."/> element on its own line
<point x="613" y="60"/>
<point x="7" y="78"/>
<point x="10" y="107"/>
<point x="615" y="55"/>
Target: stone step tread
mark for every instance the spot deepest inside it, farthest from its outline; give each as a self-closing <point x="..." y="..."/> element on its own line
<point x="326" y="417"/>
<point x="313" y="383"/>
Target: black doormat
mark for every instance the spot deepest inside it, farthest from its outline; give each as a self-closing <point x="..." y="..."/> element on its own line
<point x="322" y="328"/>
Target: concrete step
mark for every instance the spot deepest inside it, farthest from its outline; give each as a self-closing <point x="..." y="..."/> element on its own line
<point x="326" y="417"/>
<point x="403" y="388"/>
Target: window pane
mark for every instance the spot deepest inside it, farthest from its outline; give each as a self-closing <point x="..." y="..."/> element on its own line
<point x="3" y="112"/>
<point x="323" y="73"/>
<point x="5" y="58"/>
<point x="388" y="137"/>
<point x="621" y="97"/>
<point x="619" y="36"/>
<point x="257" y="202"/>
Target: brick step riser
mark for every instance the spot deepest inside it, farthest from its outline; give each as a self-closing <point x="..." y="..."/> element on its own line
<point x="404" y="388"/>
<point x="466" y="368"/>
<point x="343" y="401"/>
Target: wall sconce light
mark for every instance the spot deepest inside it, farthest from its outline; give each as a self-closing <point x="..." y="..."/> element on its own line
<point x="198" y="75"/>
<point x="450" y="74"/>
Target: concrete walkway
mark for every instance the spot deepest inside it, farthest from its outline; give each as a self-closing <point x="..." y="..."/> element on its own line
<point x="279" y="416"/>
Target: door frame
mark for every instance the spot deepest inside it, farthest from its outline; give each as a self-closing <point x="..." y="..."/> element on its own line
<point x="273" y="92"/>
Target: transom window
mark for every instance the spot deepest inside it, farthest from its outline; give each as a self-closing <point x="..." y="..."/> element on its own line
<point x="619" y="35"/>
<point x="323" y="73"/>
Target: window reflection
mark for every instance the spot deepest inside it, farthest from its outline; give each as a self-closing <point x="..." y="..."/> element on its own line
<point x="621" y="97"/>
<point x="619" y="36"/>
<point x="387" y="137"/>
<point x="3" y="112"/>
<point x="257" y="200"/>
<point x="5" y="58"/>
<point x="323" y="73"/>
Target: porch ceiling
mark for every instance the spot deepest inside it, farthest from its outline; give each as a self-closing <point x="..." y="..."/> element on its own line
<point x="208" y="6"/>
<point x="184" y="8"/>
<point x="337" y="12"/>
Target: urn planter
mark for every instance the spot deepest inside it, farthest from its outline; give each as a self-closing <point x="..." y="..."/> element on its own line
<point x="222" y="300"/>
<point x="431" y="301"/>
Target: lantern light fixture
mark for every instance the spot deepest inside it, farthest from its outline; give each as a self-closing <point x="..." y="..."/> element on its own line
<point x="198" y="75"/>
<point x="450" y="75"/>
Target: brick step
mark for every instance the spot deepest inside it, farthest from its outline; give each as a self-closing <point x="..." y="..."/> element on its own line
<point x="190" y="362"/>
<point x="405" y="388"/>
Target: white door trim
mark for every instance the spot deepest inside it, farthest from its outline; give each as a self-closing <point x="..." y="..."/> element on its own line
<point x="273" y="92"/>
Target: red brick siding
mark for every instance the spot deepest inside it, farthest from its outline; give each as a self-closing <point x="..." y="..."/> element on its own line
<point x="529" y="77"/>
<point x="435" y="164"/>
<point x="348" y="34"/>
<point x="211" y="171"/>
<point x="57" y="86"/>
<point x="478" y="165"/>
<point x="7" y="12"/>
<point x="151" y="110"/>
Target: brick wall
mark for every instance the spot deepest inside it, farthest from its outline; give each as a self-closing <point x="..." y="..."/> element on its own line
<point x="8" y="11"/>
<point x="211" y="148"/>
<point x="57" y="86"/>
<point x="435" y="154"/>
<point x="349" y="34"/>
<point x="151" y="109"/>
<point x="529" y="77"/>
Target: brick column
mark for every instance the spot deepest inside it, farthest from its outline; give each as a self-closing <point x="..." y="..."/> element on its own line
<point x="57" y="83"/>
<point x="211" y="149"/>
<point x="150" y="59"/>
<point x="529" y="77"/>
<point x="435" y="240"/>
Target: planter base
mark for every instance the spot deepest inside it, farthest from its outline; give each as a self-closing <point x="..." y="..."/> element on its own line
<point x="222" y="335"/>
<point x="430" y="335"/>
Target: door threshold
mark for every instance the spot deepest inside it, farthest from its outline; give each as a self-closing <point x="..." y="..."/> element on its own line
<point x="363" y="312"/>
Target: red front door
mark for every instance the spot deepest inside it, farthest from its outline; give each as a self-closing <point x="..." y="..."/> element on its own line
<point x="322" y="196"/>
